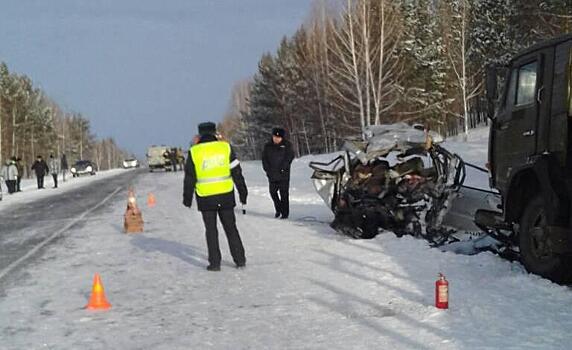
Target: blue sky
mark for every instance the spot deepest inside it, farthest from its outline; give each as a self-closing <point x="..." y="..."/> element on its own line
<point x="143" y="71"/>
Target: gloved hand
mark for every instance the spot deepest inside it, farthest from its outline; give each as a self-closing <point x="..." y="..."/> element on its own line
<point x="187" y="203"/>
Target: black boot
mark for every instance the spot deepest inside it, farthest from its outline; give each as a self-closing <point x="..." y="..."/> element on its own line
<point x="213" y="268"/>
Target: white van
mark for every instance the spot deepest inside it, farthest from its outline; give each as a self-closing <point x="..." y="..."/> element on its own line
<point x="156" y="158"/>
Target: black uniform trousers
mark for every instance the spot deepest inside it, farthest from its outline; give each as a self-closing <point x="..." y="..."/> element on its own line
<point x="228" y="221"/>
<point x="40" y="180"/>
<point x="282" y="202"/>
<point x="55" y="176"/>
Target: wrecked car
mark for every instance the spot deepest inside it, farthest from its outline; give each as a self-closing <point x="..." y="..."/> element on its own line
<point x="397" y="178"/>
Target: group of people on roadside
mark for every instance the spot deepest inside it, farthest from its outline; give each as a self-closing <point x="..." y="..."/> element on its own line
<point x="212" y="171"/>
<point x="175" y="157"/>
<point x="13" y="171"/>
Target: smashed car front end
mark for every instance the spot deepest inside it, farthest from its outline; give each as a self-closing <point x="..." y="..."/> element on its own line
<point x="398" y="179"/>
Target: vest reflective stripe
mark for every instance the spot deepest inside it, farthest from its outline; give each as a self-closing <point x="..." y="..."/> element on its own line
<point x="217" y="179"/>
<point x="212" y="166"/>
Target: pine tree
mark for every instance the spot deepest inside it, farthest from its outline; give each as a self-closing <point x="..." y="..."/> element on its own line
<point x="493" y="36"/>
<point x="425" y="61"/>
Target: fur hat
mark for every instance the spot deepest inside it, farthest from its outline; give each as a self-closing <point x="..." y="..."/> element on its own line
<point x="207" y="128"/>
<point x="278" y="132"/>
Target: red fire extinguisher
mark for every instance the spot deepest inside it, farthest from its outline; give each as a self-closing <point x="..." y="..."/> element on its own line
<point x="442" y="292"/>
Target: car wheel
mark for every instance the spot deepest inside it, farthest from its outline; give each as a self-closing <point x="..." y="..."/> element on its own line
<point x="535" y="251"/>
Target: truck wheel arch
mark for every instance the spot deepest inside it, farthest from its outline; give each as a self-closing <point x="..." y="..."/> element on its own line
<point x="524" y="186"/>
<point x="526" y="183"/>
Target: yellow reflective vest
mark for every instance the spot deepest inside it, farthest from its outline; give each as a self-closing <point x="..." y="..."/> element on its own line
<point x="212" y="167"/>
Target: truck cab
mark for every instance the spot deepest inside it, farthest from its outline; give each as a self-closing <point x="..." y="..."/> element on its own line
<point x="530" y="156"/>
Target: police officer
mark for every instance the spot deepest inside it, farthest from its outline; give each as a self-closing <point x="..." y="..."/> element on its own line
<point x="276" y="160"/>
<point x="211" y="171"/>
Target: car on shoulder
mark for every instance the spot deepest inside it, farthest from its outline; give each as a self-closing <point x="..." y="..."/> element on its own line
<point x="82" y="167"/>
<point x="130" y="163"/>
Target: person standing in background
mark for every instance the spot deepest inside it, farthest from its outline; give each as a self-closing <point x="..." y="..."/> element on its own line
<point x="41" y="169"/>
<point x="173" y="158"/>
<point x="181" y="158"/>
<point x="54" y="169"/>
<point x="64" y="166"/>
<point x="276" y="160"/>
<point x="20" y="167"/>
<point x="10" y="175"/>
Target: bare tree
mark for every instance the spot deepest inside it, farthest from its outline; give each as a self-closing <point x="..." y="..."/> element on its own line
<point x="457" y="52"/>
<point x="366" y="69"/>
<point x="346" y="71"/>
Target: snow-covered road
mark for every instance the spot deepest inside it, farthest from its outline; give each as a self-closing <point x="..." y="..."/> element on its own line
<point x="35" y="218"/>
<point x="305" y="287"/>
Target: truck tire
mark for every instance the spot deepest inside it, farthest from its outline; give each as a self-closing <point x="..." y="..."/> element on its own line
<point x="535" y="254"/>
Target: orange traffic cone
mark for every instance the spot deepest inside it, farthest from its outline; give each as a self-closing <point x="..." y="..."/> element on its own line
<point x="151" y="201"/>
<point x="97" y="300"/>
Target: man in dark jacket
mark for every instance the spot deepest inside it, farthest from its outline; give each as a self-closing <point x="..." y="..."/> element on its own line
<point x="20" y="167"/>
<point x="276" y="160"/>
<point x="173" y="158"/>
<point x="64" y="164"/>
<point x="41" y="169"/>
<point x="211" y="171"/>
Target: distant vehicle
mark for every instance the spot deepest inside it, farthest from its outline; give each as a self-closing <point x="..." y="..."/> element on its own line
<point x="82" y="167"/>
<point x="130" y="163"/>
<point x="156" y="158"/>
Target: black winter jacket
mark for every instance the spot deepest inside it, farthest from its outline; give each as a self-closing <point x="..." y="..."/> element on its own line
<point x="276" y="160"/>
<point x="220" y="201"/>
<point x="40" y="167"/>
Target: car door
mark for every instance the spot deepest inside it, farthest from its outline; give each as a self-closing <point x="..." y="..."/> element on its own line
<point x="515" y="128"/>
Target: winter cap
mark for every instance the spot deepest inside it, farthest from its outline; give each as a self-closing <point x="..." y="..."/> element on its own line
<point x="207" y="128"/>
<point x="278" y="132"/>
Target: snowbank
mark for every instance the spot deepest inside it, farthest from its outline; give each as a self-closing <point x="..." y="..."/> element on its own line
<point x="30" y="191"/>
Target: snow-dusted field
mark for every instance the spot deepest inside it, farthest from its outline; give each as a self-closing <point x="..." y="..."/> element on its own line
<point x="305" y="287"/>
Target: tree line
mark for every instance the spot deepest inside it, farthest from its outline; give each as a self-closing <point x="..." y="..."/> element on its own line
<point x="32" y="124"/>
<point x="356" y="63"/>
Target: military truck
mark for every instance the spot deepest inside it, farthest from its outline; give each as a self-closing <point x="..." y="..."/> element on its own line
<point x="530" y="157"/>
<point x="156" y="158"/>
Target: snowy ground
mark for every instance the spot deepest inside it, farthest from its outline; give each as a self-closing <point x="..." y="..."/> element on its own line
<point x="305" y="287"/>
<point x="30" y="190"/>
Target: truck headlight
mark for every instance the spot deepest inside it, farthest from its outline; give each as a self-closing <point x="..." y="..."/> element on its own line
<point x="89" y="168"/>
